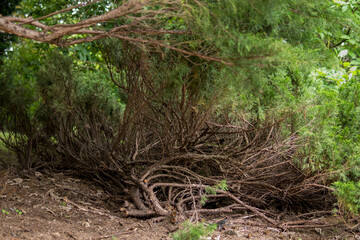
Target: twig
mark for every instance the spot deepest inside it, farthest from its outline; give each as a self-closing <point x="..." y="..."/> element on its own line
<point x="96" y="211"/>
<point x="112" y="235"/>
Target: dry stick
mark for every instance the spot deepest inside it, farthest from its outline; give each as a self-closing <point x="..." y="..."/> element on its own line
<point x="138" y="213"/>
<point x="304" y="222"/>
<point x="164" y="45"/>
<point x="154" y="32"/>
<point x="136" y="146"/>
<point x="315" y="213"/>
<point x="154" y="200"/>
<point x="171" y="175"/>
<point x="185" y="170"/>
<point x="158" y="208"/>
<point x="134" y="193"/>
<point x="195" y="213"/>
<point x="253" y="209"/>
<point x="210" y="211"/>
<point x="311" y="226"/>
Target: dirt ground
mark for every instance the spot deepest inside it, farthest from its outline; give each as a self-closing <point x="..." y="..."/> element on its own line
<point x="44" y="205"/>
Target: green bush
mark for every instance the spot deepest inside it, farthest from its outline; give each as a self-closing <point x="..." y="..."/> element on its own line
<point x="332" y="135"/>
<point x="349" y="196"/>
<point x="47" y="96"/>
<point x="191" y="231"/>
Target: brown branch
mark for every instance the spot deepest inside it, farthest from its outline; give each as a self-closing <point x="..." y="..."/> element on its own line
<point x="61" y="11"/>
<point x="139" y="213"/>
<point x="252" y="209"/>
<point x="164" y="45"/>
<point x="9" y="27"/>
<point x="59" y="34"/>
<point x="237" y="200"/>
<point x="156" y="32"/>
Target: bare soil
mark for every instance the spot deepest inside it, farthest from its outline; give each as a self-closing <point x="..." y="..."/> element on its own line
<point x="48" y="205"/>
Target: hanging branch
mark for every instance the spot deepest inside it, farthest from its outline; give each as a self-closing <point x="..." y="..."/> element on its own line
<point x="139" y="31"/>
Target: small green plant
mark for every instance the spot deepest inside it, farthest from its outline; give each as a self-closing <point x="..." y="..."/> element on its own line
<point x="203" y="199"/>
<point x="63" y="203"/>
<point x="113" y="238"/>
<point x="18" y="212"/>
<point x="5" y="212"/>
<point x="222" y="185"/>
<point x="191" y="231"/>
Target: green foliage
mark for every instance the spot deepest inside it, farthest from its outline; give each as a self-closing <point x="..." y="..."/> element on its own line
<point x="45" y="90"/>
<point x="6" y="8"/>
<point x="275" y="47"/>
<point x="264" y="28"/>
<point x="18" y="212"/>
<point x="349" y="196"/>
<point x="5" y="212"/>
<point x="222" y="185"/>
<point x="18" y="90"/>
<point x="74" y="96"/>
<point x="333" y="133"/>
<point x="63" y="88"/>
<point x="43" y="7"/>
<point x="285" y="57"/>
<point x="191" y="231"/>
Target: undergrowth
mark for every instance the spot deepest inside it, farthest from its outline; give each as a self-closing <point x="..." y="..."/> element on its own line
<point x="193" y="231"/>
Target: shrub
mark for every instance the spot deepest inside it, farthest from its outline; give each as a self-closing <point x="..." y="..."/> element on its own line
<point x="191" y="231"/>
<point x="349" y="196"/>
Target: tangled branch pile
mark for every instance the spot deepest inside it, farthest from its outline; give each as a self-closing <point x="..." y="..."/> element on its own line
<point x="138" y="22"/>
<point x="169" y="154"/>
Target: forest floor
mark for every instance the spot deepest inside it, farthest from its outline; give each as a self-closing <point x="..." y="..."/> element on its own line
<point x="47" y="205"/>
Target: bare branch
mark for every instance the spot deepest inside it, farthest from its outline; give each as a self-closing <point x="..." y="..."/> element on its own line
<point x="61" y="11"/>
<point x="64" y="35"/>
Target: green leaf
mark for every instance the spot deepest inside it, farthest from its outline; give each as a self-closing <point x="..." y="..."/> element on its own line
<point x="355" y="62"/>
<point x="352" y="54"/>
